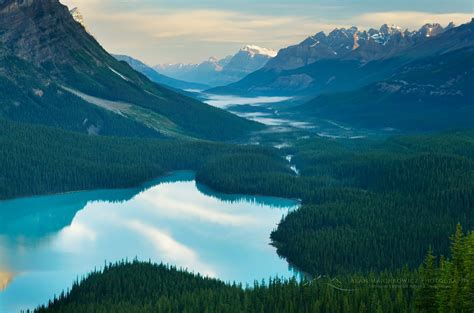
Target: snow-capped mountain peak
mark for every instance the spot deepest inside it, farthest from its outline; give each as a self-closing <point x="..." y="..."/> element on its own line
<point x="254" y="50"/>
<point x="390" y="29"/>
<point x="353" y="43"/>
<point x="218" y="72"/>
<point x="430" y="30"/>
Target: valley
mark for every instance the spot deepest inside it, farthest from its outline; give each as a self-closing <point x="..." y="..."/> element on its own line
<point x="334" y="175"/>
<point x="345" y="191"/>
<point x="285" y="127"/>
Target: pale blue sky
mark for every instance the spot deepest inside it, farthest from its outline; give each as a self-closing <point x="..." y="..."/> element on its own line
<point x="165" y="31"/>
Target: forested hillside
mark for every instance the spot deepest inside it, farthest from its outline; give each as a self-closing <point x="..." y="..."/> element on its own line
<point x="435" y="93"/>
<point x="40" y="160"/>
<point x="367" y="206"/>
<point x="439" y="286"/>
<point x="53" y="72"/>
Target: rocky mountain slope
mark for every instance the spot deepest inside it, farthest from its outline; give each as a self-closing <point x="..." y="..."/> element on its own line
<point x="216" y="72"/>
<point x="353" y="44"/>
<point x="53" y="72"/>
<point x="77" y="16"/>
<point x="435" y="91"/>
<point x="344" y="59"/>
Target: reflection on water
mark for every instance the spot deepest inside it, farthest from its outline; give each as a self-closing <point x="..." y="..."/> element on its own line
<point x="47" y="242"/>
<point x="5" y="279"/>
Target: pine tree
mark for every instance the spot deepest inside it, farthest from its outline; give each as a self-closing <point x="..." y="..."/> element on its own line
<point x="456" y="300"/>
<point x="442" y="295"/>
<point x="468" y="281"/>
<point x="426" y="296"/>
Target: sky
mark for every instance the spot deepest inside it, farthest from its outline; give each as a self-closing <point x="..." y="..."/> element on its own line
<point x="190" y="31"/>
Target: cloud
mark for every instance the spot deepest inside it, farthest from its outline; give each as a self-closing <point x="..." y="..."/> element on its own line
<point x="170" y="249"/>
<point x="172" y="35"/>
<point x="208" y="25"/>
<point x="159" y="33"/>
<point x="75" y="237"/>
<point x="167" y="205"/>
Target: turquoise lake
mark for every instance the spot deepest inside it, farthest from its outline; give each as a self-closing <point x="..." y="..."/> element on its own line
<point x="47" y="242"/>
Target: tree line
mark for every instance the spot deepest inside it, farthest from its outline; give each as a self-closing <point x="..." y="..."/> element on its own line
<point x="444" y="286"/>
<point x="366" y="206"/>
<point x="42" y="160"/>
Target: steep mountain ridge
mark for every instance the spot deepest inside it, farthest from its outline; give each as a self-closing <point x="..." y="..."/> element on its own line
<point x="50" y="62"/>
<point x="347" y="59"/>
<point x="352" y="43"/>
<point x="77" y="16"/>
<point x="431" y="94"/>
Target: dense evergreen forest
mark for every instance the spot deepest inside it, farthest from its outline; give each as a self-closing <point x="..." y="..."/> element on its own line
<point x="367" y="206"/>
<point x="40" y="160"/>
<point x="444" y="285"/>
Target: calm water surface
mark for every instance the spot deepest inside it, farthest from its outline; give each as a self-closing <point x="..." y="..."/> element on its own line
<point x="268" y="110"/>
<point x="47" y="242"/>
<point x="225" y="101"/>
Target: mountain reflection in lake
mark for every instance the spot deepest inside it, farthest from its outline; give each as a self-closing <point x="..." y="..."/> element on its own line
<point x="47" y="242"/>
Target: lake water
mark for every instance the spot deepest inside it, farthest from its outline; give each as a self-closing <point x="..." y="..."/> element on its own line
<point x="261" y="109"/>
<point x="47" y="242"/>
<point x="273" y="112"/>
<point x="225" y="101"/>
<point x="267" y="110"/>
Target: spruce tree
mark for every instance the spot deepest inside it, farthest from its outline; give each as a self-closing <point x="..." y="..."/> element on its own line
<point x="426" y="297"/>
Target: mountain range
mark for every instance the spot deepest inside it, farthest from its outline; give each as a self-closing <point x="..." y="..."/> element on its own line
<point x="431" y="88"/>
<point x="215" y="72"/>
<point x="53" y="72"/>
<point x="379" y="79"/>
<point x="431" y="94"/>
<point x="342" y="60"/>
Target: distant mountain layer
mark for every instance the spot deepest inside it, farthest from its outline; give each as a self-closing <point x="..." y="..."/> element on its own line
<point x="345" y="59"/>
<point x="216" y="72"/>
<point x="434" y="93"/>
<point x="156" y="77"/>
<point x="53" y="72"/>
<point x="353" y="44"/>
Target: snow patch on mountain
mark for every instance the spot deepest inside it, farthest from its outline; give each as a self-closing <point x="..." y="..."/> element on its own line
<point x="117" y="73"/>
<point x="219" y="72"/>
<point x="255" y="50"/>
